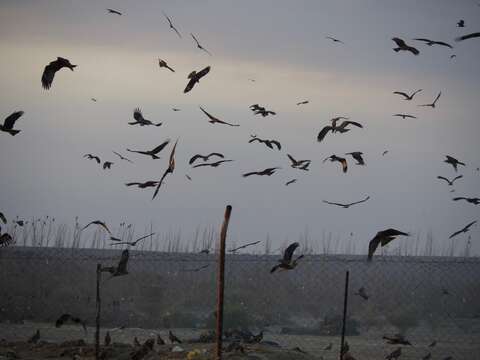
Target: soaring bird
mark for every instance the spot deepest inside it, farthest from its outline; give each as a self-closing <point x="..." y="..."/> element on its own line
<point x="334" y="39"/>
<point x="173" y="339"/>
<point x="122" y="157"/>
<point x="163" y="63"/>
<point x="304" y="102"/>
<point x="401" y="45"/>
<point x="107" y="165"/>
<point x="346" y="206"/>
<point x="406" y="96"/>
<point x="297" y="164"/>
<point x="468" y="36"/>
<point x="132" y="243"/>
<point x="404" y="116"/>
<point x="450" y="182"/>
<point x="394" y="355"/>
<point x="66" y="318"/>
<point x="52" y="68"/>
<point x="290" y="182"/>
<point x="171" y="24"/>
<point x="200" y="46"/>
<point x="214" y="120"/>
<point x="341" y="160"/>
<point x="267" y="171"/>
<point x="383" y="238"/>
<point x="99" y="223"/>
<point x="143" y="185"/>
<point x="461" y="23"/>
<point x="357" y="155"/>
<point x="92" y="157"/>
<point x="204" y="157"/>
<point x="432" y="105"/>
<point x="432" y="42"/>
<point x="475" y="201"/>
<point x="121" y="268"/>
<point x="214" y="164"/>
<point x="343" y="126"/>
<point x="3" y="218"/>
<point x="195" y="78"/>
<point x="454" y="162"/>
<point x="287" y="262"/>
<point x="268" y="143"/>
<point x="362" y="293"/>
<point x="397" y="339"/>
<point x="169" y="170"/>
<point x="140" y="120"/>
<point x="111" y="11"/>
<point x="264" y="112"/>
<point x="9" y="122"/>
<point x="153" y="153"/>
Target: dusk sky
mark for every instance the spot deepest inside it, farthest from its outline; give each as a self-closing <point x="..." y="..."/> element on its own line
<point x="282" y="46"/>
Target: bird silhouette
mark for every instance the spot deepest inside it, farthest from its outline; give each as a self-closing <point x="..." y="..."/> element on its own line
<point x="132" y="243"/>
<point x="334" y="39"/>
<point x="433" y="104"/>
<point x="200" y="46"/>
<point x="140" y="120"/>
<point x="296" y="164"/>
<point x="121" y="268"/>
<point x="70" y="318"/>
<point x="468" y="36"/>
<point x="173" y="338"/>
<point x="143" y="185"/>
<point x="461" y="23"/>
<point x="195" y="78"/>
<point x="474" y="201"/>
<point x="432" y="42"/>
<point x="362" y="293"/>
<point x="244" y="246"/>
<point x="342" y="128"/>
<point x="122" y="157"/>
<point x="290" y="182"/>
<point x="171" y="24"/>
<point x="304" y="102"/>
<point x="112" y="11"/>
<point x="176" y="109"/>
<point x="204" y="157"/>
<point x="383" y="238"/>
<point x="402" y="46"/>
<point x="163" y="63"/>
<point x="52" y="68"/>
<point x="346" y="206"/>
<point x="450" y="182"/>
<point x="357" y="155"/>
<point x="463" y="230"/>
<point x="107" y="165"/>
<point x="9" y="123"/>
<point x="406" y="96"/>
<point x="99" y="223"/>
<point x="454" y="162"/>
<point x="214" y="120"/>
<point x="404" y="116"/>
<point x="341" y="160"/>
<point x="169" y="170"/>
<point x="153" y="153"/>
<point x="214" y="164"/>
<point x="268" y="143"/>
<point x="287" y="262"/>
<point x="92" y="157"/>
<point x="267" y="171"/>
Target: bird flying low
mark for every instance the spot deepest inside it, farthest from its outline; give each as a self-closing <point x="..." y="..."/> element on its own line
<point x="267" y="171"/>
<point x="140" y="120"/>
<point x="169" y="170"/>
<point x="204" y="157"/>
<point x="454" y="162"/>
<point x="383" y="238"/>
<point x="214" y="120"/>
<point x="52" y="68"/>
<point x="341" y="160"/>
<point x="99" y="223"/>
<point x="287" y="262"/>
<point x="474" y="201"/>
<point x="402" y="46"/>
<point x="346" y="206"/>
<point x="9" y="123"/>
<point x="406" y="96"/>
<point x="153" y="153"/>
<point x="195" y="78"/>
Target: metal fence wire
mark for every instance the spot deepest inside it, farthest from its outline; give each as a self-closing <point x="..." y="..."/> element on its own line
<point x="432" y="301"/>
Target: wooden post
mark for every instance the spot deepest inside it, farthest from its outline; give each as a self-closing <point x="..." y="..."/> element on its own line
<point x="221" y="283"/>
<point x="97" y="318"/>
<point x="345" y="305"/>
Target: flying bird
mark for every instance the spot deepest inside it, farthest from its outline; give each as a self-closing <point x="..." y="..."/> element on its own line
<point x="92" y="157"/>
<point x="450" y="182"/>
<point x="143" y="185"/>
<point x="171" y="24"/>
<point x="401" y="45"/>
<point x="132" y="243"/>
<point x="341" y="160"/>
<point x="303" y="102"/>
<point x="99" y="223"/>
<point x="432" y="105"/>
<point x="461" y="23"/>
<point x="121" y="268"/>
<point x="346" y="206"/>
<point x="140" y="120"/>
<point x="9" y="123"/>
<point x="454" y="162"/>
<point x="383" y="238"/>
<point x="107" y="165"/>
<point x="297" y="163"/>
<point x="93" y="99"/>
<point x="169" y="170"/>
<point x="474" y="201"/>
<point x="122" y="157"/>
<point x="214" y="120"/>
<point x="153" y="153"/>
<point x="290" y="182"/>
<point x="404" y="116"/>
<point x="432" y="42"/>
<point x="214" y="164"/>
<point x="264" y="112"/>
<point x="111" y="11"/>
<point x="468" y="36"/>
<point x="362" y="293"/>
<point x="268" y="143"/>
<point x="163" y="63"/>
<point x="406" y="96"/>
<point x="52" y="68"/>
<point x="357" y="155"/>
<point x="195" y="78"/>
<point x="200" y="46"/>
<point x="334" y="39"/>
<point x="69" y="318"/>
<point x="287" y="262"/>
<point x="244" y="246"/>
<point x="267" y="171"/>
<point x="204" y="157"/>
<point x="342" y="128"/>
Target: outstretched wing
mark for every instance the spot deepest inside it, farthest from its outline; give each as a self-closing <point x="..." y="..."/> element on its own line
<point x="276" y="143"/>
<point x="10" y="119"/>
<point x="402" y="94"/>
<point x="287" y="255"/>
<point x="468" y="36"/>
<point x="443" y="178"/>
<point x="194" y="158"/>
<point x="334" y="203"/>
<point x="361" y="201"/>
<point x="215" y="154"/>
<point x="456" y="178"/>
<point x="160" y="147"/>
<point x="49" y="74"/>
<point x="399" y="42"/>
<point x="137" y="114"/>
<point x="323" y="133"/>
<point x="373" y="245"/>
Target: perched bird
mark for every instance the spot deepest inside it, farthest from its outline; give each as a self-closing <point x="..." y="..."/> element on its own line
<point x="121" y="268"/>
<point x="401" y="45"/>
<point x="3" y="218"/>
<point x="404" y="116"/>
<point x="171" y="24"/>
<point x="362" y="293"/>
<point x="406" y="96"/>
<point x="287" y="262"/>
<point x="108" y="339"/>
<point x="214" y="120"/>
<point x="169" y="170"/>
<point x="454" y="162"/>
<point x="297" y="163"/>
<point x="303" y="102"/>
<point x="383" y="238"/>
<point x="346" y="206"/>
<point x="341" y="160"/>
<point x="432" y="105"/>
<point x="153" y="153"/>
<point x="66" y="318"/>
<point x="133" y="243"/>
<point x="92" y="157"/>
<point x="9" y="123"/>
<point x="100" y="223"/>
<point x="195" y="78"/>
<point x="267" y="171"/>
<point x="204" y="157"/>
<point x="357" y="155"/>
<point x="173" y="339"/>
<point x="290" y="182"/>
<point x="140" y="120"/>
<point x="111" y="11"/>
<point x="432" y="42"/>
<point x="143" y="185"/>
<point x="450" y="182"/>
<point x="122" y="157"/>
<point x="474" y="201"/>
<point x="397" y="339"/>
<point x="394" y="355"/>
<point x="163" y="63"/>
<point x="468" y="36"/>
<point x="461" y="23"/>
<point x="107" y="165"/>
<point x="334" y="39"/>
<point x="52" y="68"/>
<point x="214" y="164"/>
<point x="268" y="143"/>
<point x="464" y="230"/>
<point x="200" y="46"/>
<point x="160" y="341"/>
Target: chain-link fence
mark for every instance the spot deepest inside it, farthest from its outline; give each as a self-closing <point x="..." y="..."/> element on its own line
<point x="433" y="302"/>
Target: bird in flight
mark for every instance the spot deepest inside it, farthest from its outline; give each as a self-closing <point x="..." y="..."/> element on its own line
<point x="99" y="223"/>
<point x="334" y="40"/>
<point x="171" y="24"/>
<point x="143" y="185"/>
<point x="268" y="143"/>
<point x="461" y="23"/>
<point x="163" y="64"/>
<point x="362" y="293"/>
<point x="67" y="317"/>
<point x="406" y="96"/>
<point x="290" y="182"/>
<point x="195" y="78"/>
<point x="432" y="105"/>
<point x="200" y="46"/>
<point x="383" y="238"/>
<point x="9" y="123"/>
<point x="267" y="171"/>
<point x="244" y="246"/>
<point x="357" y="155"/>
<point x="107" y="165"/>
<point x="468" y="36"/>
<point x="122" y="157"/>
<point x="401" y="45"/>
<point x="341" y="160"/>
<point x="303" y="102"/>
<point x="454" y="162"/>
<point x="287" y="262"/>
<point x="92" y="157"/>
<point x="450" y="182"/>
<point x="474" y="201"/>
<point x="112" y="11"/>
<point x="432" y="42"/>
<point x="342" y="128"/>
<point x="5" y="239"/>
<point x="121" y="268"/>
<point x="346" y="206"/>
<point x="204" y="157"/>
<point x="169" y="170"/>
<point x="298" y="164"/>
<point x="52" y="68"/>
<point x="132" y="243"/>
<point x="153" y="153"/>
<point x="404" y="116"/>
<point x="140" y="120"/>
<point x="214" y="164"/>
<point x="214" y="120"/>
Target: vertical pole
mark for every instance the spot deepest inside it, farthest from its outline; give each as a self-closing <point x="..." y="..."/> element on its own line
<point x="345" y="305"/>
<point x="221" y="283"/>
<point x="97" y="318"/>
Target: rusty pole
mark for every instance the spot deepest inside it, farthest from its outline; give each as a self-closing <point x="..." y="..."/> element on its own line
<point x="221" y="283"/>
<point x="345" y="304"/>
<point x="97" y="318"/>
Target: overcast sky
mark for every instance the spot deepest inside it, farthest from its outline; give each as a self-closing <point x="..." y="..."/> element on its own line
<point x="280" y="44"/>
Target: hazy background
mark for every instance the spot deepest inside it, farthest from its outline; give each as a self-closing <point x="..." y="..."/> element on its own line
<point x="280" y="44"/>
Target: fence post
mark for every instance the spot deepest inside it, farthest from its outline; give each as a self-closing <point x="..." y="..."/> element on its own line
<point x="345" y="305"/>
<point x="97" y="317"/>
<point x="221" y="283"/>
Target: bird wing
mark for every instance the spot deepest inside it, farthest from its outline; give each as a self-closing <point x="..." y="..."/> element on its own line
<point x="456" y="178"/>
<point x="203" y="164"/>
<point x="10" y="119"/>
<point x="413" y="50"/>
<point x="210" y="116"/>
<point x="160" y="147"/>
<point x="251" y="173"/>
<point x="287" y="255"/>
<point x="399" y="42"/>
<point x="321" y="135"/>
<point x="373" y="245"/>
<point x="443" y="178"/>
<point x="359" y="202"/>
<point x="122" y="264"/>
<point x="170" y="169"/>
<point x="348" y="122"/>
<point x="344" y="164"/>
<point x="468" y="226"/>
<point x="393" y="232"/>
<point x="468" y="36"/>
<point x="456" y="233"/>
<point x="137" y="115"/>
<point x="102" y="224"/>
<point x="444" y="44"/>
<point x="402" y="93"/>
<point x="334" y="203"/>
<point x="203" y="72"/>
<point x="49" y="74"/>
<point x="292" y="159"/>
<point x="195" y="157"/>
<point x="3" y="218"/>
<point x="416" y="92"/>
<point x="194" y="38"/>
<point x="215" y="154"/>
<point x="438" y="97"/>
<point x="459" y="198"/>
<point x="276" y="143"/>
<point x="424" y="40"/>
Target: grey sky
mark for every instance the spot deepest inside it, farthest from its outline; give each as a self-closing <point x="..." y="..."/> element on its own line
<point x="282" y="45"/>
